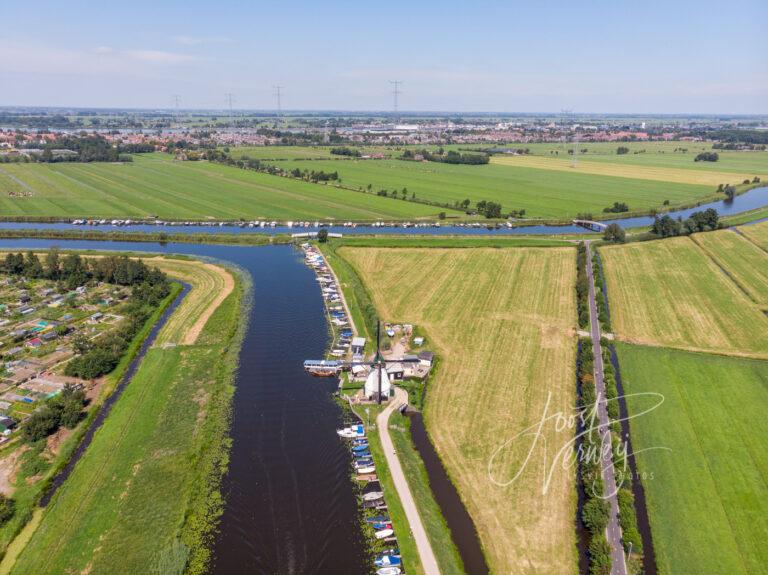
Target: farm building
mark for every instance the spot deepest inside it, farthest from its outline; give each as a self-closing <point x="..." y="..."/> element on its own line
<point x="426" y="358"/>
<point x="358" y="345"/>
<point x="395" y="371"/>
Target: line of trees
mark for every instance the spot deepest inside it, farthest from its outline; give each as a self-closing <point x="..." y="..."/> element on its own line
<point x="595" y="510"/>
<point x="451" y="157"/>
<point x="616" y="208"/>
<point x="703" y="221"/>
<point x="82" y="148"/>
<point x="630" y="536"/>
<point x="346" y="151"/>
<point x="582" y="286"/>
<point x="73" y="270"/>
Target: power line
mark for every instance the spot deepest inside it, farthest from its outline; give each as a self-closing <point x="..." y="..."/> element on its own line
<point x="278" y="95"/>
<point x="230" y="97"/>
<point x="176" y="99"/>
<point x="395" y="93"/>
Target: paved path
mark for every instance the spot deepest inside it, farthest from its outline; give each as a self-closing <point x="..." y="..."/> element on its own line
<point x="427" y="556"/>
<point x="613" y="530"/>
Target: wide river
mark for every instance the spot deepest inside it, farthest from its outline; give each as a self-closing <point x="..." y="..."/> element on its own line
<point x="290" y="504"/>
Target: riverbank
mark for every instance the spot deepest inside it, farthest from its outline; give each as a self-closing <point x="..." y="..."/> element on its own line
<point x="145" y="495"/>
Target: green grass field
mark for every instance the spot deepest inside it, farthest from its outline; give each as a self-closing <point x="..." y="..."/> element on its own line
<point x="543" y="193"/>
<point x="702" y="456"/>
<point x="145" y="494"/>
<point x="155" y="185"/>
<point x="671" y="293"/>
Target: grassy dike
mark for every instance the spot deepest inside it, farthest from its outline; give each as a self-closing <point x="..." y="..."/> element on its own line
<point x="28" y="490"/>
<point x="449" y="561"/>
<point x="145" y="497"/>
<point x="246" y="239"/>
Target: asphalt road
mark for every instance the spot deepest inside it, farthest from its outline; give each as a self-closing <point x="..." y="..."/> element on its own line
<point x="427" y="556"/>
<point x="613" y="530"/>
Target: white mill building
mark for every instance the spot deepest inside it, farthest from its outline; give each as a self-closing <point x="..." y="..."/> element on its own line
<point x="372" y="383"/>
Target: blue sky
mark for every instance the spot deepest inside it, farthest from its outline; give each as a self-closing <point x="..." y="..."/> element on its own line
<point x="535" y="56"/>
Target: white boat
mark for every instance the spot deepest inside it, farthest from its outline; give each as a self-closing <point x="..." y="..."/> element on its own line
<point x="383" y="534"/>
<point x="373" y="496"/>
<point x="389" y="571"/>
<point x="355" y="431"/>
<point x="365" y="470"/>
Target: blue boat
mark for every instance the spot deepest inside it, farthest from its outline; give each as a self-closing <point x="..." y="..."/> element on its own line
<point x="377" y="519"/>
<point x="359" y="448"/>
<point x="387" y="560"/>
<point x="362" y="455"/>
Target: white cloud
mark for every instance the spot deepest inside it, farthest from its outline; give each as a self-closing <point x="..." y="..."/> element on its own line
<point x="32" y="58"/>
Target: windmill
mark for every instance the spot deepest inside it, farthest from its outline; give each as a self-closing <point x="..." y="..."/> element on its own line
<point x="378" y="365"/>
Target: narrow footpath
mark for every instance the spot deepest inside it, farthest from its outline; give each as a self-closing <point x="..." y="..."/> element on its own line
<point x="613" y="530"/>
<point x="427" y="556"/>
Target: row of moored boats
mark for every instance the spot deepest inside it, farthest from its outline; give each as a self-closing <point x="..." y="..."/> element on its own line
<point x="387" y="560"/>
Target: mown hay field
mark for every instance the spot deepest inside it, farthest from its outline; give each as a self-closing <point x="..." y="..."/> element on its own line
<point x="156" y="185"/>
<point x="210" y="285"/>
<point x="502" y="322"/>
<point x="671" y="293"/>
<point x="641" y="171"/>
<point x="702" y="456"/>
<point x="757" y="234"/>
<point x="746" y="263"/>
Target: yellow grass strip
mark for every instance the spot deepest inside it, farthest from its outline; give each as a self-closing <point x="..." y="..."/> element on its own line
<point x="757" y="234"/>
<point x="670" y="293"/>
<point x="745" y="262"/>
<point x="673" y="175"/>
<point x="502" y="322"/>
<point x="211" y="284"/>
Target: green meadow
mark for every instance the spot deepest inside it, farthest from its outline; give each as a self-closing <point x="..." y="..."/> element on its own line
<point x="543" y="193"/>
<point x="702" y="456"/>
<point x="156" y="185"/>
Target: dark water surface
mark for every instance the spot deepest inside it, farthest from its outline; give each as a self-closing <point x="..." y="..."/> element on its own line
<point x="463" y="531"/>
<point x="290" y="503"/>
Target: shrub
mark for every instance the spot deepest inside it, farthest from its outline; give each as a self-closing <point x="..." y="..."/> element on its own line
<point x="595" y="514"/>
<point x="707" y="157"/>
<point x="6" y="508"/>
<point x="599" y="555"/>
<point x="631" y="536"/>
